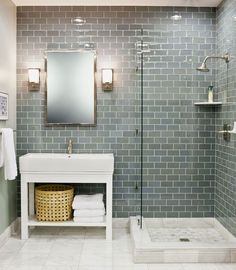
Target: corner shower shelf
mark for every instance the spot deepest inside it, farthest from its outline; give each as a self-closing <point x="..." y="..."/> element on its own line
<point x="208" y="103"/>
<point x="227" y="131"/>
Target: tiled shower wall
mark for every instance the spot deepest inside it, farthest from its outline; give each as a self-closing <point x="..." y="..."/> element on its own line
<point x="225" y="193"/>
<point x="179" y="138"/>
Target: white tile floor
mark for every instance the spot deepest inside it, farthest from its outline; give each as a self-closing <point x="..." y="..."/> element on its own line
<point x="81" y="249"/>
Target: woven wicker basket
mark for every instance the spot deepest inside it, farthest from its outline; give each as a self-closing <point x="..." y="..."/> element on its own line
<point x="53" y="202"/>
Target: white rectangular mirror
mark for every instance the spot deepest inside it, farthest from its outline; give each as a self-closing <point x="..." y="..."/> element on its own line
<point x="71" y="97"/>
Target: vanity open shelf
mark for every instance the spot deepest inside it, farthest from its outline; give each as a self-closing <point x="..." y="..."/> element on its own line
<point x="32" y="221"/>
<point x="64" y="169"/>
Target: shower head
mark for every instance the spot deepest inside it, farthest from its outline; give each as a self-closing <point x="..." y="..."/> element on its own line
<point x="204" y="68"/>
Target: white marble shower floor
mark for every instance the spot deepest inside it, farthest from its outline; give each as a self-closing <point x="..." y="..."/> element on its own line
<point x="199" y="231"/>
<point x="202" y="240"/>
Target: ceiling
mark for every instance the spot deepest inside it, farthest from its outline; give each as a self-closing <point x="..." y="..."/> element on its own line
<point x="189" y="3"/>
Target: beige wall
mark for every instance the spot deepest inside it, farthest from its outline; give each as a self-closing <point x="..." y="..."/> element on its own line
<point x="8" y="85"/>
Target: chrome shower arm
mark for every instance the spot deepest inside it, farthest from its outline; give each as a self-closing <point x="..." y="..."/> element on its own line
<point x="225" y="57"/>
<point x="204" y="68"/>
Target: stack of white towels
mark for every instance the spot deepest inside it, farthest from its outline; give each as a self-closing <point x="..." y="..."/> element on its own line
<point x="88" y="208"/>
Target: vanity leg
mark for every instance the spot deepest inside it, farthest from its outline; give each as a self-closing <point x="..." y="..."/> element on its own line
<point x="24" y="210"/>
<point x="31" y="199"/>
<point x="109" y="211"/>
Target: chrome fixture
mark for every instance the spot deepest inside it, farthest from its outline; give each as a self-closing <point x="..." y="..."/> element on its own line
<point x="142" y="52"/>
<point x="69" y="148"/>
<point x="142" y="47"/>
<point x="204" y="68"/>
<point x="107" y="79"/>
<point x="88" y="46"/>
<point x="226" y="132"/>
<point x="33" y="79"/>
<point x="176" y="16"/>
<point x="78" y="21"/>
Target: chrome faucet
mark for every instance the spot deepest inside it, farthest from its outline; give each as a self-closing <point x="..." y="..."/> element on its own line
<point x="70" y="147"/>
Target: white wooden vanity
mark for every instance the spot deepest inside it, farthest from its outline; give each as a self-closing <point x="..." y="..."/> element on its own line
<point x="64" y="168"/>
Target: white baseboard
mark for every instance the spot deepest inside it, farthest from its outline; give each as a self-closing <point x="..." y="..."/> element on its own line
<point x="12" y="229"/>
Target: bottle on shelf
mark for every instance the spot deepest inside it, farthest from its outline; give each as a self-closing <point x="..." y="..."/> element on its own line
<point x="210" y="94"/>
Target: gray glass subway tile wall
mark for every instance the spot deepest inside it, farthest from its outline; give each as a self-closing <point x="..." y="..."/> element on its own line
<point x="179" y="138"/>
<point x="225" y="191"/>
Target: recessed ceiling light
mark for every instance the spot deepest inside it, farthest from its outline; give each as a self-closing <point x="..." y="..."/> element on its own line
<point x="78" y="21"/>
<point x="176" y="17"/>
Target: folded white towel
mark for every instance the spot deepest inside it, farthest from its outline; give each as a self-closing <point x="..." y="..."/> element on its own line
<point x="87" y="205"/>
<point x="89" y="213"/>
<point x="88" y="219"/>
<point x="88" y="202"/>
<point x="8" y="155"/>
<point x="84" y="198"/>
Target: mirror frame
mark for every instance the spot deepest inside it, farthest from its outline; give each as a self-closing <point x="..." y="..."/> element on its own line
<point x="47" y="124"/>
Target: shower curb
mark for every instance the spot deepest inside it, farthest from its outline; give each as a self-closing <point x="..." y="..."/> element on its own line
<point x="146" y="251"/>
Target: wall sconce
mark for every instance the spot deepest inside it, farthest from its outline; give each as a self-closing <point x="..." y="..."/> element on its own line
<point x="107" y="79"/>
<point x="34" y="79"/>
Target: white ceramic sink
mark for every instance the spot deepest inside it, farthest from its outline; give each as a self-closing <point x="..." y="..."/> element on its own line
<point x="44" y="162"/>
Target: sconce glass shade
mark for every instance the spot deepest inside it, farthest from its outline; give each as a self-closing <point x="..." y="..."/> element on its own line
<point x="33" y="75"/>
<point x="34" y="78"/>
<point x="107" y="79"/>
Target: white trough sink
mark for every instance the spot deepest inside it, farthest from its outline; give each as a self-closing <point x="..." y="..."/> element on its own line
<point x="46" y="162"/>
